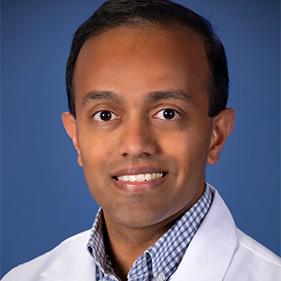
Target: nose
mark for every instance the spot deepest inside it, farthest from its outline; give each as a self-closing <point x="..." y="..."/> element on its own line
<point x="138" y="138"/>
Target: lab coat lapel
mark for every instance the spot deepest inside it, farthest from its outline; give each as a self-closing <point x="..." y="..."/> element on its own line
<point x="211" y="250"/>
<point x="74" y="264"/>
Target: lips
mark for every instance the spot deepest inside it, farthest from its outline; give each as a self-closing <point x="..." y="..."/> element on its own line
<point x="139" y="175"/>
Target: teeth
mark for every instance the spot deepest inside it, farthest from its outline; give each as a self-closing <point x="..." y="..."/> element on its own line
<point x="140" y="177"/>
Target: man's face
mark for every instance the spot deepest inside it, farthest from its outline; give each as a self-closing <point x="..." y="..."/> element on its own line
<point x="142" y="129"/>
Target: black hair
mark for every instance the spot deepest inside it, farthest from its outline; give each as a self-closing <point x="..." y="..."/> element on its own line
<point x="167" y="14"/>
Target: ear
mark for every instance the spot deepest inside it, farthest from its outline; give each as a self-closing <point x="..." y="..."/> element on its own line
<point x="222" y="127"/>
<point x="69" y="123"/>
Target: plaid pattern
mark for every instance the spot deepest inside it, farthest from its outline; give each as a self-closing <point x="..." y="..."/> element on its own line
<point x="161" y="260"/>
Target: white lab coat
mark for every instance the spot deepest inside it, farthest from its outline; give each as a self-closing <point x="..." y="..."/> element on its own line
<point x="218" y="251"/>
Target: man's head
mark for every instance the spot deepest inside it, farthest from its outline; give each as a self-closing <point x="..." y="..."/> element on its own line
<point x="143" y="130"/>
<point x="166" y="14"/>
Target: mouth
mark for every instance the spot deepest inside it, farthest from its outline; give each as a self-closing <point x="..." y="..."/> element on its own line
<point x="140" y="177"/>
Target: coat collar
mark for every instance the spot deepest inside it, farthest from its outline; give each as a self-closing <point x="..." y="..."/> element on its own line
<point x="73" y="264"/>
<point x="212" y="248"/>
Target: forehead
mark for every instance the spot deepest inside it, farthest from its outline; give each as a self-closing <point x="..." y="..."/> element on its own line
<point x="145" y="55"/>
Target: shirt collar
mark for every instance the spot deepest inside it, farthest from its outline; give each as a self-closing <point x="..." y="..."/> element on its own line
<point x="162" y="258"/>
<point x="96" y="245"/>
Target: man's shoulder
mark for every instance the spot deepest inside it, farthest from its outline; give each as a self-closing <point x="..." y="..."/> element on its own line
<point x="31" y="270"/>
<point x="253" y="261"/>
<point x="256" y="251"/>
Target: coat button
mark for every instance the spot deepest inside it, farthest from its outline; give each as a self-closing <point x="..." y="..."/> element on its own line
<point x="161" y="277"/>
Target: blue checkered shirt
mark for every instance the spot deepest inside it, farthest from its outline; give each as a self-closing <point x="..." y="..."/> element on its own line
<point x="161" y="260"/>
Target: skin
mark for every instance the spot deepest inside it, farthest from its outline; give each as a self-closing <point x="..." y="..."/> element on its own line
<point x="141" y="98"/>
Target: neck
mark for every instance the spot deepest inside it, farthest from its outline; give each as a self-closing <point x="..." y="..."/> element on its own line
<point x="125" y="245"/>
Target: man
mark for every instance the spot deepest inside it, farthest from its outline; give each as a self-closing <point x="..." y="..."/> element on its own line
<point x="147" y="87"/>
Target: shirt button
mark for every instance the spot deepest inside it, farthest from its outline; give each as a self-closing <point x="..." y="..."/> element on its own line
<point x="161" y="277"/>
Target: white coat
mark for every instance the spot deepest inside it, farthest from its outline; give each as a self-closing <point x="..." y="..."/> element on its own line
<point x="218" y="251"/>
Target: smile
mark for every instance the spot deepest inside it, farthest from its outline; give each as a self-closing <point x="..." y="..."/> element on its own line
<point x="140" y="177"/>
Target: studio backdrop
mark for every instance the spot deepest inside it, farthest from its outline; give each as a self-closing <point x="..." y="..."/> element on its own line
<point x="44" y="197"/>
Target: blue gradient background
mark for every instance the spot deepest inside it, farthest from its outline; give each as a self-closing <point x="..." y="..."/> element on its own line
<point x="44" y="197"/>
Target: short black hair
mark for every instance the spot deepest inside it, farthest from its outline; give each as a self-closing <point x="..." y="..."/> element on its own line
<point x="167" y="14"/>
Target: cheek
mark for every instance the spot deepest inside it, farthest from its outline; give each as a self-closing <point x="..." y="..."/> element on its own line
<point x="94" y="147"/>
<point x="180" y="146"/>
<point x="189" y="151"/>
<point x="95" y="156"/>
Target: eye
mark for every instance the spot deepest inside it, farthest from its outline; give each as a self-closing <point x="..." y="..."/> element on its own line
<point x="104" y="116"/>
<point x="167" y="114"/>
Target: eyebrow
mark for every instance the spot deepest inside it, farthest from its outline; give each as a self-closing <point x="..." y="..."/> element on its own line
<point x="169" y="94"/>
<point x="101" y="95"/>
